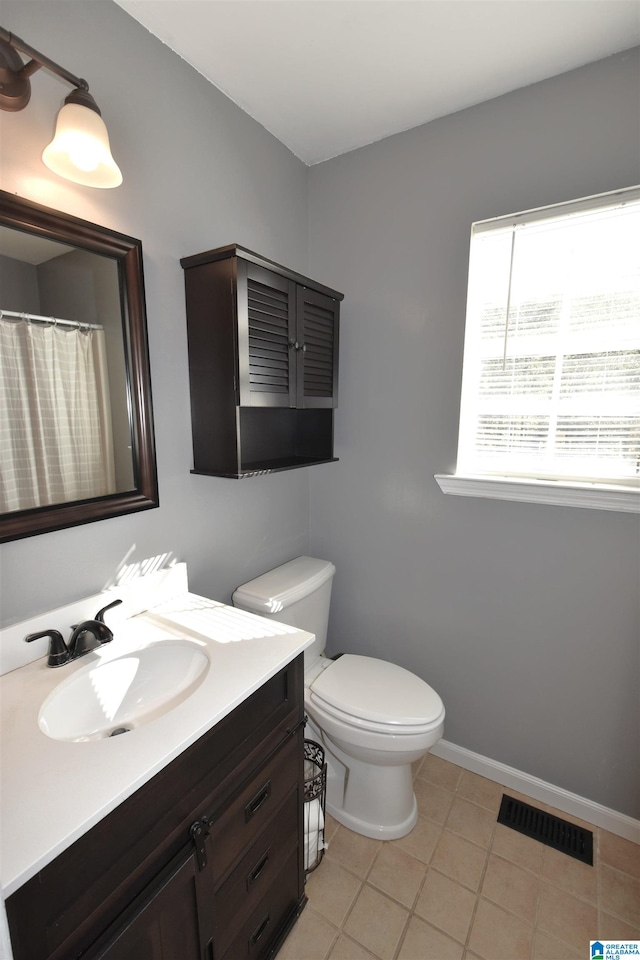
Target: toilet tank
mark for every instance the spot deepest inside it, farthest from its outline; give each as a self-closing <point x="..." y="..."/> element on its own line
<point x="297" y="593"/>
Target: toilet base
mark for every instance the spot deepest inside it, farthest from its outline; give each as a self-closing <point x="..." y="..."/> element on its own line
<point x="372" y="800"/>
<point x="378" y="832"/>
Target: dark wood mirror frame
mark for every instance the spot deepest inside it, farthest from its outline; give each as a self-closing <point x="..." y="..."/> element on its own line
<point x="35" y="219"/>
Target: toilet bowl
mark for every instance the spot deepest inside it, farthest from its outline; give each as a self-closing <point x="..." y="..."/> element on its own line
<point x="373" y="717"/>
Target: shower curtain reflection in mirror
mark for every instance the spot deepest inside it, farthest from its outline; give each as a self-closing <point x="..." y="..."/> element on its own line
<point x="55" y="414"/>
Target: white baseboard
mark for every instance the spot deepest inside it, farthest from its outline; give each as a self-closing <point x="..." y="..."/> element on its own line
<point x="571" y="803"/>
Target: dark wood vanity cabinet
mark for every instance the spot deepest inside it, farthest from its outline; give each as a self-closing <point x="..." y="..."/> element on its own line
<point x="204" y="862"/>
<point x="163" y="923"/>
<point x="263" y="364"/>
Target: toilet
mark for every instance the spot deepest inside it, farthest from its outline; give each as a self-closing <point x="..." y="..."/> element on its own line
<point x="373" y="718"/>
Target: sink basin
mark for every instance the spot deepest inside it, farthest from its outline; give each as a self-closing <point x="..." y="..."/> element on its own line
<point x="113" y="697"/>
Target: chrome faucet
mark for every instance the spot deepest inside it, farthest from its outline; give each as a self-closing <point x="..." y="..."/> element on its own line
<point x="85" y="637"/>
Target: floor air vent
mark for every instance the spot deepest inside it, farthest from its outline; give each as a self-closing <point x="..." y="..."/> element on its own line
<point x="553" y="831"/>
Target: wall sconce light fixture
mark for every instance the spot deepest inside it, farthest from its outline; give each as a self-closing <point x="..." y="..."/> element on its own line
<point x="80" y="149"/>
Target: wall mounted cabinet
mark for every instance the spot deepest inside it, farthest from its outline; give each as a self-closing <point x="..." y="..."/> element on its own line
<point x="263" y="364"/>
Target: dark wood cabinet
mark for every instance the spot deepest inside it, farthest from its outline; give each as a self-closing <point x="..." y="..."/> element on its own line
<point x="204" y="861"/>
<point x="263" y="364"/>
<point x="163" y="924"/>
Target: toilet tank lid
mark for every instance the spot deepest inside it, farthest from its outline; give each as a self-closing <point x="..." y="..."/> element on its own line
<point x="279" y="588"/>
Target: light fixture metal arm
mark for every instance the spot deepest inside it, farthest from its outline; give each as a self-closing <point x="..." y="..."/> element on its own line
<point x="80" y="149"/>
<point x="39" y="60"/>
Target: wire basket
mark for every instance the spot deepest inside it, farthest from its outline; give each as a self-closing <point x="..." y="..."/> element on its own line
<point x="315" y="790"/>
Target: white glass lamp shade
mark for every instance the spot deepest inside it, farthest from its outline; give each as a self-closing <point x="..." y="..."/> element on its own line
<point x="80" y="149"/>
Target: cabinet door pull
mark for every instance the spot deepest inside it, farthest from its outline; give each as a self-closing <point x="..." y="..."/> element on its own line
<point x="261" y="796"/>
<point x="257" y="935"/>
<point x="259" y="868"/>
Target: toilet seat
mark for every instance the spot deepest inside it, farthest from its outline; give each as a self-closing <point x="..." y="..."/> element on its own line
<point x="376" y="695"/>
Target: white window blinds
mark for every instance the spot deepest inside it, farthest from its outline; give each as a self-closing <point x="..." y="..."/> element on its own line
<point x="551" y="378"/>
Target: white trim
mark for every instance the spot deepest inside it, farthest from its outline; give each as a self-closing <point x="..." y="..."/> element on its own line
<point x="592" y="496"/>
<point x="599" y="201"/>
<point x="571" y="803"/>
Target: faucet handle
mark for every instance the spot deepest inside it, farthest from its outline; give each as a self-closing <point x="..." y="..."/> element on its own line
<point x="58" y="652"/>
<point x="95" y="628"/>
<point x="101" y="631"/>
<point x="100" y="614"/>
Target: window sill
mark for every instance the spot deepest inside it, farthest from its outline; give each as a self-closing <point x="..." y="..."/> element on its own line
<point x="592" y="496"/>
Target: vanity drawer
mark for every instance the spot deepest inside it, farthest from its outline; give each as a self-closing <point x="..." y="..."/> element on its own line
<point x="252" y="878"/>
<point x="237" y="826"/>
<point x="263" y="928"/>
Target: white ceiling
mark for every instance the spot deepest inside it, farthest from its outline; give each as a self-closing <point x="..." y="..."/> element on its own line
<point x="327" y="76"/>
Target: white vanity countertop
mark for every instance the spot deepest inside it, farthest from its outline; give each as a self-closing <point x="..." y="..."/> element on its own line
<point x="53" y="791"/>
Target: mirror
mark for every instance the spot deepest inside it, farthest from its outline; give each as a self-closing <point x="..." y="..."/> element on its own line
<point x="76" y="426"/>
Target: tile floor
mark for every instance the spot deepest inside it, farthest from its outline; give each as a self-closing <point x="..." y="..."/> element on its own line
<point x="461" y="887"/>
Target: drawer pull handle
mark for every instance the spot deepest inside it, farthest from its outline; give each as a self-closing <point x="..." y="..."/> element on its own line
<point x="258" y="869"/>
<point x="255" y="937"/>
<point x="261" y="796"/>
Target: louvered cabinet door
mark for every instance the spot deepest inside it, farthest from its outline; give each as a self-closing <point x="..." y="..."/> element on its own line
<point x="266" y="338"/>
<point x="317" y="349"/>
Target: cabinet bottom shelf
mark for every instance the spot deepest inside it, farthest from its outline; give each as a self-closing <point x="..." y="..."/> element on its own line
<point x="266" y="466"/>
<point x="266" y="440"/>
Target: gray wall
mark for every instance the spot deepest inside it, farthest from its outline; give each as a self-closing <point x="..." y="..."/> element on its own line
<point x="198" y="173"/>
<point x="19" y="286"/>
<point x="524" y="617"/>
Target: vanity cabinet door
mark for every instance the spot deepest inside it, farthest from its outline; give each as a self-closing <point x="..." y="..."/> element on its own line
<point x="163" y="924"/>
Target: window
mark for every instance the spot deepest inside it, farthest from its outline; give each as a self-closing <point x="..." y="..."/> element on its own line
<point x="550" y="406"/>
